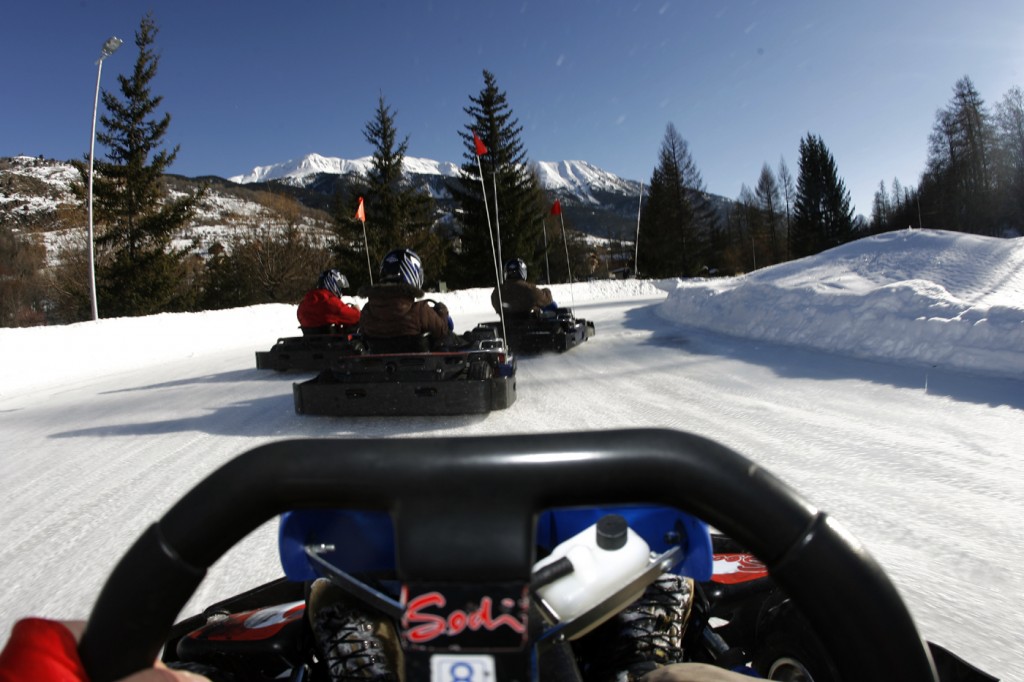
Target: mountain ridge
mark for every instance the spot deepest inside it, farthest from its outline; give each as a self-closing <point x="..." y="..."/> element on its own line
<point x="604" y="204"/>
<point x="579" y="178"/>
<point x="596" y="201"/>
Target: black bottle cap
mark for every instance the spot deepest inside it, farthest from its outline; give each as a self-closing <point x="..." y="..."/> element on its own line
<point x="611" y="532"/>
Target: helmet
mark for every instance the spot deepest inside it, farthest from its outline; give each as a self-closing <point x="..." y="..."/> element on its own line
<point x="402" y="265"/>
<point x="515" y="269"/>
<point x="333" y="281"/>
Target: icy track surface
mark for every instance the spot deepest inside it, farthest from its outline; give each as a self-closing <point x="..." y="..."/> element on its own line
<point x="107" y="424"/>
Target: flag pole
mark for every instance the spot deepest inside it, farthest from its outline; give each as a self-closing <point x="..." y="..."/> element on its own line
<point x="568" y="266"/>
<point x="480" y="151"/>
<point x="361" y="217"/>
<point x="547" y="264"/>
<point x="636" y="242"/>
<point x="497" y="222"/>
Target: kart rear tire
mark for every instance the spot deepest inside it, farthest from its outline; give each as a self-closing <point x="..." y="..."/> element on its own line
<point x="794" y="654"/>
<point x="480" y="370"/>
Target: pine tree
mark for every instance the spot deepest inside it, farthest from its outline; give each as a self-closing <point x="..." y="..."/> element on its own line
<point x="143" y="272"/>
<point x="881" y="209"/>
<point x="897" y="196"/>
<point x="746" y="219"/>
<point x="398" y="215"/>
<point x="788" y="197"/>
<point x="959" y="179"/>
<point x="676" y="227"/>
<point x="769" y="201"/>
<point x="823" y="217"/>
<point x="516" y="205"/>
<point x="1010" y="136"/>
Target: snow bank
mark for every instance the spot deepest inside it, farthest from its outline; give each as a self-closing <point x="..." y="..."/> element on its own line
<point x="917" y="296"/>
<point x="35" y="357"/>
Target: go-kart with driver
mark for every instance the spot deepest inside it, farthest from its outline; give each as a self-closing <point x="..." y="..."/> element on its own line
<point x="576" y="556"/>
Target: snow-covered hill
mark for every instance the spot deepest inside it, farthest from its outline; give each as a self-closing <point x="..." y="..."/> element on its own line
<point x="30" y="186"/>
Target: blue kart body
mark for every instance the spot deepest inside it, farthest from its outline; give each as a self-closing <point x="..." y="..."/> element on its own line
<point x="363" y="540"/>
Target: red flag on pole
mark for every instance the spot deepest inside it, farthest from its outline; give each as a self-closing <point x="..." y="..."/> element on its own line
<point x="556" y="208"/>
<point x="480" y="148"/>
<point x="360" y="212"/>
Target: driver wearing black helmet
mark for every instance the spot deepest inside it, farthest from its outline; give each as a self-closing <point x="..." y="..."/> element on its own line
<point x="518" y="296"/>
<point x="393" y="307"/>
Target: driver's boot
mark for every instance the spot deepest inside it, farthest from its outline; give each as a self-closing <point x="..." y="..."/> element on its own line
<point x="644" y="637"/>
<point x="354" y="641"/>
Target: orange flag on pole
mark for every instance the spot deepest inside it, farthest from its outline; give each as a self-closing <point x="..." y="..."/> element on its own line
<point x="556" y="208"/>
<point x="480" y="148"/>
<point x="360" y="212"/>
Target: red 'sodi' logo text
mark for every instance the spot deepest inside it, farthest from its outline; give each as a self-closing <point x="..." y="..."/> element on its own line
<point x="422" y="627"/>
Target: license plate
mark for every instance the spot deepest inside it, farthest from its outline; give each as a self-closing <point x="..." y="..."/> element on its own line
<point x="462" y="668"/>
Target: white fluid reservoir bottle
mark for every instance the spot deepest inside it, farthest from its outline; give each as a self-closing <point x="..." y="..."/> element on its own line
<point x="604" y="558"/>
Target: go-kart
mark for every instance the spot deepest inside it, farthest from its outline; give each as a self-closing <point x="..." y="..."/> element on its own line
<point x="576" y="556"/>
<point x="541" y="331"/>
<point x="311" y="351"/>
<point x="406" y="376"/>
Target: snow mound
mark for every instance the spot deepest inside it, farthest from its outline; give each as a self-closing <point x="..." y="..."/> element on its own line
<point x="918" y="296"/>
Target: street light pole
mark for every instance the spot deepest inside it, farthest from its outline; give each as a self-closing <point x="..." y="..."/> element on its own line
<point x="109" y="48"/>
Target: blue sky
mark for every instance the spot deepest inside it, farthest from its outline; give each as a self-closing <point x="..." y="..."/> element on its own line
<point x="261" y="82"/>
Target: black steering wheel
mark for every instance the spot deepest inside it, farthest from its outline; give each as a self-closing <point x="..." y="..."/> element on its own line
<point x="477" y="498"/>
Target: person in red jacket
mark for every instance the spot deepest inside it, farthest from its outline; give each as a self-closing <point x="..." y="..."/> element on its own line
<point x="322" y="310"/>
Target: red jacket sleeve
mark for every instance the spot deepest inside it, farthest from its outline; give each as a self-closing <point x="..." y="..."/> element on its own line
<point x="41" y="650"/>
<point x="342" y="313"/>
<point x="320" y="307"/>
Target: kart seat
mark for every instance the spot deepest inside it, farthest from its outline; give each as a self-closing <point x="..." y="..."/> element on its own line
<point x="521" y="316"/>
<point x="380" y="345"/>
<point x="324" y="329"/>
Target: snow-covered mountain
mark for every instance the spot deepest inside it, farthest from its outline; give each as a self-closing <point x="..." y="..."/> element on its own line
<point x="581" y="180"/>
<point x="605" y="204"/>
<point x="37" y="193"/>
<point x="300" y="171"/>
<point x="581" y="177"/>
